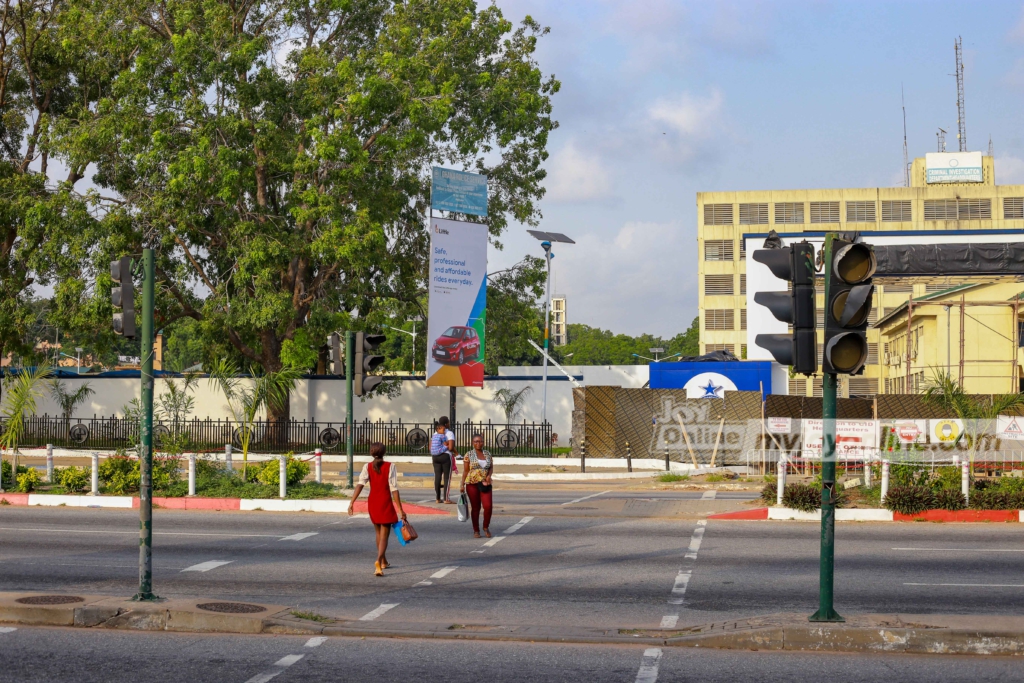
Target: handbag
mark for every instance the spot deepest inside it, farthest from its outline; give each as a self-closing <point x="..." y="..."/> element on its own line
<point x="404" y="532"/>
<point x="463" y="508"/>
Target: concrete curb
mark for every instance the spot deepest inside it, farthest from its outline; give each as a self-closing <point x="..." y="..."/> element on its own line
<point x="873" y="515"/>
<point x="196" y="503"/>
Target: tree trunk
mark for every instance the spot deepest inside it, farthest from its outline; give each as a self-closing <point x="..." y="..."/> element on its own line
<point x="278" y="415"/>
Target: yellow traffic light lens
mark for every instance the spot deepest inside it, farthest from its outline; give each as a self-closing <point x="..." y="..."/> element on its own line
<point x="855" y="263"/>
<point x="839" y="303"/>
<point x="847" y="352"/>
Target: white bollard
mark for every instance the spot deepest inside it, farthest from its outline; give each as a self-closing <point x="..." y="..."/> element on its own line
<point x="885" y="479"/>
<point x="95" y="475"/>
<point x="283" y="487"/>
<point x="49" y="463"/>
<point x="965" y="480"/>
<point x="227" y="459"/>
<point x="192" y="474"/>
<point x="867" y="471"/>
<point x="780" y="482"/>
<point x="319" y="466"/>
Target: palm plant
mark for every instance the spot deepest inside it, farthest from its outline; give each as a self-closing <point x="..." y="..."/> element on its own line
<point x="977" y="413"/>
<point x="247" y="397"/>
<point x="511" y="402"/>
<point x="23" y="390"/>
<point x="69" y="401"/>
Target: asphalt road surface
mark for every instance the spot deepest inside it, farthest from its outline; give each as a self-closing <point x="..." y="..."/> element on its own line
<point x="558" y="567"/>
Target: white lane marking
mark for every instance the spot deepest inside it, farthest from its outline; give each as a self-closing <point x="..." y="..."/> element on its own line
<point x="424" y="583"/>
<point x="518" y="525"/>
<point x="970" y="550"/>
<point x="709" y="495"/>
<point x="440" y="574"/>
<point x="593" y="495"/>
<point x="316" y="642"/>
<point x="682" y="582"/>
<point x="299" y="537"/>
<point x="428" y="500"/>
<point x="7" y="629"/>
<point x="971" y="585"/>
<point x="670" y="621"/>
<point x="492" y="542"/>
<point x="648" y="672"/>
<point x="277" y="669"/>
<point x="370" y="616"/>
<point x="695" y="540"/>
<point x="207" y="566"/>
<point x="136" y="533"/>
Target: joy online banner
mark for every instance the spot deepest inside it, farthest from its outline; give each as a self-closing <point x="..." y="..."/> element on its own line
<point x="458" y="304"/>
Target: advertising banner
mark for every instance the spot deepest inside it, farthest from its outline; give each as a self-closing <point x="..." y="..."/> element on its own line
<point x="458" y="191"/>
<point x="953" y="167"/>
<point x="458" y="304"/>
<point x="906" y="431"/>
<point x="854" y="438"/>
<point x="945" y="431"/>
<point x="780" y="425"/>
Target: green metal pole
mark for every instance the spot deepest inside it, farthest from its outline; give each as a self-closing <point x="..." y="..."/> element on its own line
<point x="350" y="372"/>
<point x="146" y="435"/>
<point x="826" y="611"/>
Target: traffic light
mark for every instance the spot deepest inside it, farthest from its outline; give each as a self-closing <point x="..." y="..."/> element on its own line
<point x="334" y="355"/>
<point x="364" y="383"/>
<point x="849" y="266"/>
<point x="123" y="297"/>
<point x="796" y="265"/>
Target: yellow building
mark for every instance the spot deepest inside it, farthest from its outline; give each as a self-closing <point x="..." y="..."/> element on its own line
<point x="723" y="218"/>
<point x="971" y="332"/>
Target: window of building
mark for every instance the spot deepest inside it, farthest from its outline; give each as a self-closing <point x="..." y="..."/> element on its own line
<point x="933" y="287"/>
<point x="743" y="284"/>
<point x="899" y="287"/>
<point x="743" y="318"/>
<point x="718" y="214"/>
<point x="743" y="249"/>
<point x="719" y="319"/>
<point x="718" y="284"/>
<point x="873" y="315"/>
<point x="897" y="211"/>
<point x="718" y="250"/>
<point x="863" y="386"/>
<point x="860" y="212"/>
<point x="824" y="212"/>
<point x="797" y="386"/>
<point x="974" y="209"/>
<point x="957" y="209"/>
<point x="1013" y="207"/>
<point x="753" y="214"/>
<point x="821" y="352"/>
<point x="789" y="212"/>
<point x="708" y="348"/>
<point x="872" y="353"/>
<point x="816" y="386"/>
<point x="819" y="318"/>
<point x="940" y="210"/>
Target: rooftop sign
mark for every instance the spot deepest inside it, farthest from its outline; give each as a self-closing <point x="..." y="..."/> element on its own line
<point x="953" y="167"/>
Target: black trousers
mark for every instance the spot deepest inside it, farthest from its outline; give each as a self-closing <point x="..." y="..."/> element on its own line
<point x="442" y="471"/>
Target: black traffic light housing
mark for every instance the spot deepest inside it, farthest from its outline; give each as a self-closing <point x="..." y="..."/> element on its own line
<point x="794" y="264"/>
<point x="334" y="355"/>
<point x="849" y="266"/>
<point x="364" y="383"/>
<point x="123" y="297"/>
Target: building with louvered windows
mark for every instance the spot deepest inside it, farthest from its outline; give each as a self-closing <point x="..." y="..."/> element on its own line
<point x="724" y="218"/>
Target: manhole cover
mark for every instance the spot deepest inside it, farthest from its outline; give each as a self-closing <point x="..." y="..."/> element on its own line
<point x="231" y="607"/>
<point x="50" y="600"/>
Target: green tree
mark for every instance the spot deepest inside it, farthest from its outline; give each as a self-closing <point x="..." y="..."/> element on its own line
<point x="277" y="154"/>
<point x="594" y="346"/>
<point x="513" y="315"/>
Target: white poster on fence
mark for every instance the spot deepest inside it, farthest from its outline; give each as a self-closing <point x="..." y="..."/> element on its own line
<point x="904" y="432"/>
<point x="854" y="438"/>
<point x="1010" y="427"/>
<point x="945" y="431"/>
<point x="779" y="425"/>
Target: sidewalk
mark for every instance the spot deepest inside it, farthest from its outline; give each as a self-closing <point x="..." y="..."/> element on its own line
<point x="891" y="633"/>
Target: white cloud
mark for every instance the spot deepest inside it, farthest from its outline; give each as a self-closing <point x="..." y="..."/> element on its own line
<point x="686" y="114"/>
<point x="686" y="126"/>
<point x="578" y="175"/>
<point x="1010" y="170"/>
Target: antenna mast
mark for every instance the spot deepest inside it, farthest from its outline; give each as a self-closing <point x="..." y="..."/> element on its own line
<point x="941" y="140"/>
<point x="991" y="149"/>
<point x="961" y="122"/>
<point x="906" y="163"/>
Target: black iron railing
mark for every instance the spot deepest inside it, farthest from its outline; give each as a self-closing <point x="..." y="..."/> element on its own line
<point x="413" y="438"/>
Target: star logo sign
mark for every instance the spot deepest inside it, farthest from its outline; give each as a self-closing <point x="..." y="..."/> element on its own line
<point x="711" y="391"/>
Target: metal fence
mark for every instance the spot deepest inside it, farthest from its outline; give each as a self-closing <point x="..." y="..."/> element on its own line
<point x="411" y="438"/>
<point x="808" y="463"/>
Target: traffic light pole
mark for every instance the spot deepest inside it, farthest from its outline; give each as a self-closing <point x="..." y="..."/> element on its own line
<point x="826" y="610"/>
<point x="146" y="435"/>
<point x="350" y="373"/>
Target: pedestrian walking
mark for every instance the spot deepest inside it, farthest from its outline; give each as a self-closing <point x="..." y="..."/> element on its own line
<point x="441" y="445"/>
<point x="384" y="501"/>
<point x="476" y="483"/>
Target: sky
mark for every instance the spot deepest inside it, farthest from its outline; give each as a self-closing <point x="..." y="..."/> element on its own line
<point x="662" y="99"/>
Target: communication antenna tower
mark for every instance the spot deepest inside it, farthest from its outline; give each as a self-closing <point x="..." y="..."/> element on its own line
<point x="991" y="149"/>
<point x="961" y="122"/>
<point x="941" y="139"/>
<point x="906" y="163"/>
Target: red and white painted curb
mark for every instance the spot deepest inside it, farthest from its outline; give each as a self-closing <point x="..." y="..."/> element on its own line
<point x="265" y="504"/>
<point x="875" y="515"/>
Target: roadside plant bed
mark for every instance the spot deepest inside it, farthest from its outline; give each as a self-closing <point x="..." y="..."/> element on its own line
<point x="803" y="497"/>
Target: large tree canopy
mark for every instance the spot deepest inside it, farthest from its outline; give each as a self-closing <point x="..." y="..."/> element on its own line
<point x="277" y="153"/>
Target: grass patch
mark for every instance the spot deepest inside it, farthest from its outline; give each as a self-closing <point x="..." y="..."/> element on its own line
<point x="561" y="450"/>
<point x="668" y="477"/>
<point x="715" y="477"/>
<point x="311" y="616"/>
<point x="3" y="501"/>
<point x="456" y="627"/>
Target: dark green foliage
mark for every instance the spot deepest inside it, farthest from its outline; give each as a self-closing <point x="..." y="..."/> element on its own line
<point x="803" y="497"/>
<point x="947" y="477"/>
<point x="770" y="493"/>
<point x="72" y="479"/>
<point x="122" y="474"/>
<point x="901" y="474"/>
<point x="909" y="500"/>
<point x="949" y="499"/>
<point x="269" y="474"/>
<point x="996" y="498"/>
<point x="593" y="346"/>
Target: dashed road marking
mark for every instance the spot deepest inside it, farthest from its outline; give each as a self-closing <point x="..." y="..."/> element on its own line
<point x="136" y="532"/>
<point x="7" y="629"/>
<point x="491" y="542"/>
<point x="679" y="587"/>
<point x="207" y="566"/>
<point x="299" y="537"/>
<point x="970" y="550"/>
<point x="370" y="616"/>
<point x="695" y="540"/>
<point x="440" y="574"/>
<point x="316" y="642"/>
<point x="593" y="495"/>
<point x="277" y="669"/>
<point x="709" y="495"/>
<point x="971" y="585"/>
<point x="670" y="621"/>
<point x="648" y="672"/>
<point x="508" y="532"/>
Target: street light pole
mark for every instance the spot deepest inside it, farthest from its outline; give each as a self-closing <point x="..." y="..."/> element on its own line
<point x="413" y="335"/>
<point x="78" y="350"/>
<point x="547" y="315"/>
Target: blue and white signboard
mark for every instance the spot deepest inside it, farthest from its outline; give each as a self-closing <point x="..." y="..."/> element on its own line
<point x="711" y="379"/>
<point x="708" y="385"/>
<point x="459" y="191"/>
<point x="953" y="167"/>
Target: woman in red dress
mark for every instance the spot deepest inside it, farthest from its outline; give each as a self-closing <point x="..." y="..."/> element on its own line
<point x="384" y="503"/>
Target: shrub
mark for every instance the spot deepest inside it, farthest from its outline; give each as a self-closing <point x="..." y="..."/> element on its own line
<point x="27" y="480"/>
<point x="770" y="493"/>
<point x="5" y="468"/>
<point x="669" y="477"/>
<point x="993" y="498"/>
<point x="804" y="497"/>
<point x="295" y="472"/>
<point x="902" y="475"/>
<point x="909" y="500"/>
<point x="946" y="478"/>
<point x="949" y="499"/>
<point x="72" y="479"/>
<point x="121" y="474"/>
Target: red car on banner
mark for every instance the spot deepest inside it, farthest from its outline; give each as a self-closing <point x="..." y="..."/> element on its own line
<point x="457" y="345"/>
